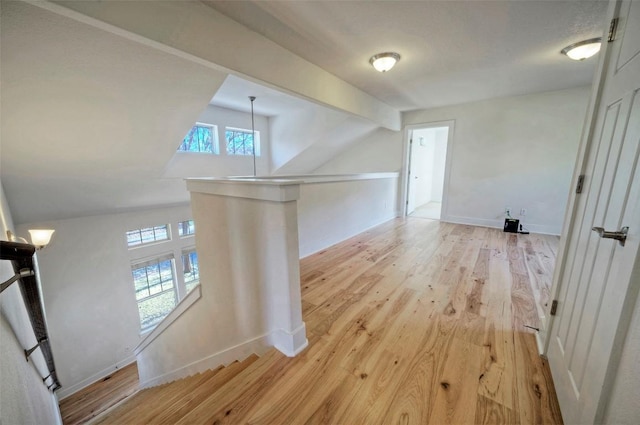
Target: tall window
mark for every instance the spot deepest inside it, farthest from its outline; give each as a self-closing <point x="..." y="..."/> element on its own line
<point x="164" y="270"/>
<point x="240" y="142"/>
<point x="155" y="290"/>
<point x="201" y="138"/>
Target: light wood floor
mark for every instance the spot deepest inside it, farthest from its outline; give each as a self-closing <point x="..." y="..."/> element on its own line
<point x="99" y="396"/>
<point x="413" y="322"/>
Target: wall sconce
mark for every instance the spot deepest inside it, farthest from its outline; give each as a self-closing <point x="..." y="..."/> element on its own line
<point x="39" y="237"/>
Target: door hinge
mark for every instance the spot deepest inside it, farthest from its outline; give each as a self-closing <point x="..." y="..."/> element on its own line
<point x="580" y="183"/>
<point x="554" y="307"/>
<point x="612" y="30"/>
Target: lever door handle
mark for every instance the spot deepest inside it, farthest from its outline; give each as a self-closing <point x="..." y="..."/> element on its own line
<point x="620" y="236"/>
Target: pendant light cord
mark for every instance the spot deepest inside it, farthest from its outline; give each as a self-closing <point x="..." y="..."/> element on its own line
<point x="253" y="135"/>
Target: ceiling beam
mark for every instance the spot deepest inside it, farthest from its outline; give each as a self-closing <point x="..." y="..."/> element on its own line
<point x="203" y="34"/>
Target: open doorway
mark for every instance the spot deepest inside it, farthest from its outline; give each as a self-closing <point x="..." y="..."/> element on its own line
<point x="427" y="170"/>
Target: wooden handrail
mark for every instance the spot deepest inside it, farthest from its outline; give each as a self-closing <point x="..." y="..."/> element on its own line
<point x="21" y="257"/>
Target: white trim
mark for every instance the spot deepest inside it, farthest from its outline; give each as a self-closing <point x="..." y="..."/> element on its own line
<point x="182" y="306"/>
<point x="331" y="178"/>
<point x="276" y="190"/>
<point x="499" y="224"/>
<point x="317" y="178"/>
<point x="66" y="391"/>
<point x="290" y="343"/>
<point x="257" y="345"/>
<point x="404" y="175"/>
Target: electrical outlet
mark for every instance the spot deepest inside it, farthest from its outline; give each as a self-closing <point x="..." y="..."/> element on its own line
<point x="523" y="212"/>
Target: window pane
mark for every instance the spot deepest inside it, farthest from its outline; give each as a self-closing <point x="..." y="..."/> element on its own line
<point x="166" y="273"/>
<point x="147" y="235"/>
<point x="239" y="142"/>
<point x="154" y="286"/>
<point x="133" y="238"/>
<point x="154" y="309"/>
<point x="140" y="282"/>
<point x="191" y="270"/>
<point x="186" y="228"/>
<point x="199" y="139"/>
<point x="160" y="233"/>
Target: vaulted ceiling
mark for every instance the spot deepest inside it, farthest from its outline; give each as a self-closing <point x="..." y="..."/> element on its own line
<point x="96" y="94"/>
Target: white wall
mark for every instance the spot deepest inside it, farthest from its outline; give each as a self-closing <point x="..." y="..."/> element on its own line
<point x="24" y="399"/>
<point x="188" y="164"/>
<point x="515" y="151"/>
<point x="329" y="213"/>
<point x="379" y="151"/>
<point x="89" y="295"/>
<point x="306" y="138"/>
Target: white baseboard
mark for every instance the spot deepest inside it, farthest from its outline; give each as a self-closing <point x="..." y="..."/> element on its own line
<point x="290" y="343"/>
<point x="499" y="224"/>
<point x="257" y="345"/>
<point x="66" y="391"/>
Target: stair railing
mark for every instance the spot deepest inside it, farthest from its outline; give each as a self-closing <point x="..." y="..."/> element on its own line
<point x="21" y="257"/>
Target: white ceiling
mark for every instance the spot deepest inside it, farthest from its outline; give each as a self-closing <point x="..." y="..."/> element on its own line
<point x="452" y="51"/>
<point x="90" y="118"/>
<point x="234" y="94"/>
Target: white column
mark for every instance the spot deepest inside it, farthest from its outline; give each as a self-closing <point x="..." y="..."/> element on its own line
<point x="247" y="244"/>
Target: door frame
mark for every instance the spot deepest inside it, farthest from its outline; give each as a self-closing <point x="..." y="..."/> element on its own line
<point x="406" y="163"/>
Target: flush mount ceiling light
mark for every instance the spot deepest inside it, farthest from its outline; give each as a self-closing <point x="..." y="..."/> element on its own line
<point x="583" y="49"/>
<point x="384" y="61"/>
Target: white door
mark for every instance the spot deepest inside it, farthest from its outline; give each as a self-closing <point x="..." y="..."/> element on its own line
<point x="600" y="279"/>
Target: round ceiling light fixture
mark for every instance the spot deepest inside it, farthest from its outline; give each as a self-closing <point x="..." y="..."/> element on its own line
<point x="583" y="49"/>
<point x="383" y="62"/>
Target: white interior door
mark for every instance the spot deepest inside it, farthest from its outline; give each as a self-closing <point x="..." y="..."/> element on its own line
<point x="601" y="277"/>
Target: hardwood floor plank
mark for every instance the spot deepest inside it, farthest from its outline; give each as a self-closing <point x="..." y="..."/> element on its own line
<point x="490" y="412"/>
<point x="458" y="387"/>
